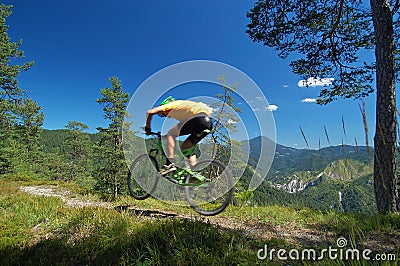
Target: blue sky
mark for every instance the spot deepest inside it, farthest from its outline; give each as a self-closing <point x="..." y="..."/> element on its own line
<point x="77" y="45"/>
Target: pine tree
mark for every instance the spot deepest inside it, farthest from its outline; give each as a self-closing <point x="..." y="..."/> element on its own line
<point x="225" y="120"/>
<point x="332" y="38"/>
<point x="20" y="117"/>
<point x="225" y="148"/>
<point x="9" y="89"/>
<point x="29" y="124"/>
<point x="6" y="136"/>
<point x="114" y="101"/>
<point x="29" y="120"/>
<point x="79" y="152"/>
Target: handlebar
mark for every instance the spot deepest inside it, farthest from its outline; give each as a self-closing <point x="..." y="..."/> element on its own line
<point x="154" y="134"/>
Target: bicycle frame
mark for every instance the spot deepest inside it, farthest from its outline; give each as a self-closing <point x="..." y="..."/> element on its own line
<point x="179" y="176"/>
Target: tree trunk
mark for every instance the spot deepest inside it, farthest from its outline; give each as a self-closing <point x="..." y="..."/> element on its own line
<point x="115" y="183"/>
<point x="385" y="178"/>
<point x="117" y="147"/>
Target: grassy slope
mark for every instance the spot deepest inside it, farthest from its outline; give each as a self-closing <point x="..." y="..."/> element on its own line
<point x="43" y="230"/>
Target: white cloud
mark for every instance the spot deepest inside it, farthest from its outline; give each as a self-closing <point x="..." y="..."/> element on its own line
<point x="314" y="82"/>
<point x="268" y="108"/>
<point x="260" y="98"/>
<point x="271" y="108"/>
<point x="285" y="85"/>
<point x="231" y="121"/>
<point x="309" y="100"/>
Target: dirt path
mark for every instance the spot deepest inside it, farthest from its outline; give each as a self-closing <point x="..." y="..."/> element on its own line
<point x="67" y="196"/>
<point x="291" y="233"/>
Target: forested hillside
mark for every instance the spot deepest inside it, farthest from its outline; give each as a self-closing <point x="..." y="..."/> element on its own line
<point x="54" y="141"/>
<point x="337" y="177"/>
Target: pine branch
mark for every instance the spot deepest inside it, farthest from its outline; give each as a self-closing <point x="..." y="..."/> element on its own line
<point x="331" y="33"/>
<point x="396" y="7"/>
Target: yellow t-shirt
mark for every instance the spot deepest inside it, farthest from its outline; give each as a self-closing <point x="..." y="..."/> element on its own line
<point x="183" y="110"/>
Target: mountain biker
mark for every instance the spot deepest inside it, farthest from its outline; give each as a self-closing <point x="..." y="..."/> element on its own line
<point x="194" y="120"/>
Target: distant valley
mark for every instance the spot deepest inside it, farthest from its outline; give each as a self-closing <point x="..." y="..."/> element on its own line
<point x="335" y="177"/>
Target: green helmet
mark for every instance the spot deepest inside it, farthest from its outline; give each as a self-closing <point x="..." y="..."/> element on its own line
<point x="167" y="100"/>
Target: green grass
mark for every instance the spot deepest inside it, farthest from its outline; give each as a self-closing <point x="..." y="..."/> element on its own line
<point x="41" y="230"/>
<point x="38" y="230"/>
<point x="305" y="217"/>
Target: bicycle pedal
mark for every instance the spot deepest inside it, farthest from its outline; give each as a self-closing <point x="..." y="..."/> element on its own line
<point x="171" y="179"/>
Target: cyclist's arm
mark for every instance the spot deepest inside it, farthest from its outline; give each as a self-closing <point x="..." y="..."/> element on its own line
<point x="152" y="112"/>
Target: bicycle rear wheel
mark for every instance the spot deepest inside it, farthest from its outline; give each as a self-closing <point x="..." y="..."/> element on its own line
<point x="143" y="177"/>
<point x="214" y="196"/>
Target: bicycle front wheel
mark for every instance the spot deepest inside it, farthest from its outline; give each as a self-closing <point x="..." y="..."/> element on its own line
<point x="214" y="196"/>
<point x="143" y="177"/>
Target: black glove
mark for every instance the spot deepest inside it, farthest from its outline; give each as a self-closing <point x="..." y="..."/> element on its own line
<point x="147" y="130"/>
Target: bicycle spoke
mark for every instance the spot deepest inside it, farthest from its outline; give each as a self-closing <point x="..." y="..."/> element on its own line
<point x="212" y="197"/>
<point x="143" y="177"/>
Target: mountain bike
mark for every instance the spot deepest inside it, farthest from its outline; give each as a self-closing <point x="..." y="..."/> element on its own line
<point x="208" y="185"/>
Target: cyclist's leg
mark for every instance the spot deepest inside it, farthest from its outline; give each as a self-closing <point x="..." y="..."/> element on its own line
<point x="188" y="128"/>
<point x="187" y="148"/>
<point x="169" y="165"/>
<point x="192" y="160"/>
<point x="198" y="127"/>
<point x="171" y="142"/>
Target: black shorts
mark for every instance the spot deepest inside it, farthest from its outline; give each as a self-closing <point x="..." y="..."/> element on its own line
<point x="196" y="127"/>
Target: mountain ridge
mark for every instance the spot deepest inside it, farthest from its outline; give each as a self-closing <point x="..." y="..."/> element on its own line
<point x="288" y="158"/>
